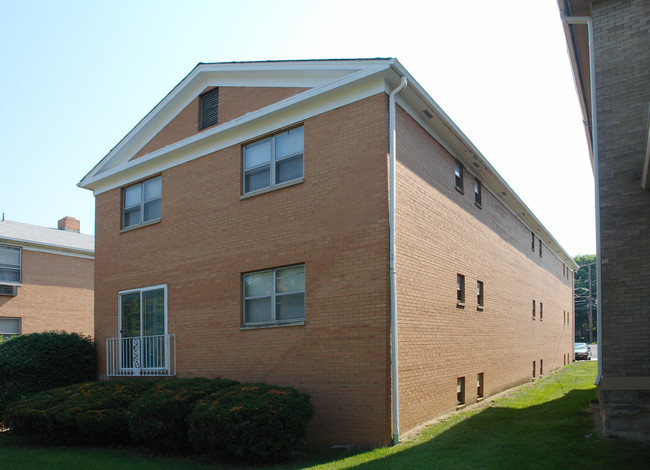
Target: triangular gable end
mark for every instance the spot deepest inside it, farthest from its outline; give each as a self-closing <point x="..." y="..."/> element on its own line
<point x="289" y="79"/>
<point x="233" y="102"/>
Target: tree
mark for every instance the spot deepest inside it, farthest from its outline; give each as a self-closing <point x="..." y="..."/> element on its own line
<point x="585" y="296"/>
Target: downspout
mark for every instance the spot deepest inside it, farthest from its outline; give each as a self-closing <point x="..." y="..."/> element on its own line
<point x="393" y="286"/>
<point x="594" y="146"/>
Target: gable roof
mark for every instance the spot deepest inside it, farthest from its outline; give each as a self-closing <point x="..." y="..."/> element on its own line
<point x="50" y="240"/>
<point x="329" y="84"/>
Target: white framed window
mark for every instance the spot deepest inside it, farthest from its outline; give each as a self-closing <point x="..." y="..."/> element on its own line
<point x="275" y="296"/>
<point x="9" y="327"/>
<point x="10" y="265"/>
<point x="143" y="327"/>
<point x="142" y="202"/>
<point x="274" y="161"/>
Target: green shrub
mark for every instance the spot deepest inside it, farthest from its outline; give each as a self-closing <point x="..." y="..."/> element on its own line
<point x="41" y="361"/>
<point x="159" y="417"/>
<point x="256" y="422"/>
<point x="88" y="413"/>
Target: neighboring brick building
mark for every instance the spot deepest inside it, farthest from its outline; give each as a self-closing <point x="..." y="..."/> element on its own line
<point x="243" y="231"/>
<point x="46" y="278"/>
<point x="621" y="161"/>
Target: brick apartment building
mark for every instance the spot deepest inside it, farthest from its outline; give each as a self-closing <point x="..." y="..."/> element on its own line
<point x="615" y="82"/>
<point x="243" y="230"/>
<point x="46" y="278"/>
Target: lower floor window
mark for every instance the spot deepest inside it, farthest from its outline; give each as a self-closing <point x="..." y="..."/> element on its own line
<point x="9" y="327"/>
<point x="460" y="390"/>
<point x="274" y="296"/>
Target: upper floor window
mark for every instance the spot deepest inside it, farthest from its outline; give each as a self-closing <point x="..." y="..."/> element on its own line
<point x="142" y="202"/>
<point x="479" y="294"/>
<point x="534" y="310"/>
<point x="273" y="161"/>
<point x="532" y="241"/>
<point x="460" y="290"/>
<point x="540" y="247"/>
<point x="478" y="198"/>
<point x="274" y="296"/>
<point x="10" y="262"/>
<point x="209" y="103"/>
<point x="458" y="173"/>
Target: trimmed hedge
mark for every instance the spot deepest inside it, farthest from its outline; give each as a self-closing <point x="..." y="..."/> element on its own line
<point x="90" y="413"/>
<point x="41" y="361"/>
<point x="159" y="417"/>
<point x="257" y="422"/>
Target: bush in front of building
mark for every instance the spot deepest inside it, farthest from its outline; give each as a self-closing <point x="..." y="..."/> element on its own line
<point x="91" y="413"/>
<point x="159" y="417"/>
<point x="41" y="361"/>
<point x="257" y="422"/>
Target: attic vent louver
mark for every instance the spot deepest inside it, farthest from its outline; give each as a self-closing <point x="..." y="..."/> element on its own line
<point x="8" y="290"/>
<point x="427" y="113"/>
<point x="209" y="108"/>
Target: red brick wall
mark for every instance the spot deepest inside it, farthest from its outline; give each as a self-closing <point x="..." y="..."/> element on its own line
<point x="442" y="233"/>
<point x="56" y="294"/>
<point x="234" y="102"/>
<point x="335" y="222"/>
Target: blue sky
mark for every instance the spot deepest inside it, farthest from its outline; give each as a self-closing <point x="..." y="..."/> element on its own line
<point x="76" y="76"/>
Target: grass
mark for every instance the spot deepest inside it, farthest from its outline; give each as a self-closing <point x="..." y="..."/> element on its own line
<point x="543" y="425"/>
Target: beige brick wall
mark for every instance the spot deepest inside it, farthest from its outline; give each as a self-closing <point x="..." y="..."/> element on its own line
<point x="335" y="222"/>
<point x="442" y="233"/>
<point x="56" y="294"/>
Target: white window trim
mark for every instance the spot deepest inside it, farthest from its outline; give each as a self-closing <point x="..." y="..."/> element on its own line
<point x="143" y="223"/>
<point x="142" y="289"/>
<point x="272" y="163"/>
<point x="20" y="327"/>
<point x="273" y="322"/>
<point x="20" y="267"/>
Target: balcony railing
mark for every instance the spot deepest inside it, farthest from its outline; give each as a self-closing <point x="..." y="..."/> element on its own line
<point x="141" y="356"/>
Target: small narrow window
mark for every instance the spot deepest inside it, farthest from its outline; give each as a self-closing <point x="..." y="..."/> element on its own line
<point x="209" y="108"/>
<point x="479" y="294"/>
<point x="534" y="369"/>
<point x="563" y="270"/>
<point x="460" y="290"/>
<point x="479" y="385"/>
<point x="540" y="247"/>
<point x="460" y="391"/>
<point x="541" y="367"/>
<point x="458" y="172"/>
<point x="478" y="199"/>
<point x="534" y="313"/>
<point x="541" y="311"/>
<point x="532" y="241"/>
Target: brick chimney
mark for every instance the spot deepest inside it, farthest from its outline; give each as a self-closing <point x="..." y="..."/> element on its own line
<point x="70" y="224"/>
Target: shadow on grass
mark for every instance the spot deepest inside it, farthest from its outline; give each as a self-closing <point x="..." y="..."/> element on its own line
<point x="557" y="434"/>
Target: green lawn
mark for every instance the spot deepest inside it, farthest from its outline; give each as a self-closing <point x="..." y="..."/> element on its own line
<point x="543" y="425"/>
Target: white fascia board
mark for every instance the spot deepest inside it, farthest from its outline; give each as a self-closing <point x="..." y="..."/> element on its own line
<point x="447" y="133"/>
<point x="305" y="74"/>
<point x="285" y="113"/>
<point x="51" y="249"/>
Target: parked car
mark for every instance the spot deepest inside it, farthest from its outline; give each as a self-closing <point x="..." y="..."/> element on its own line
<point x="582" y="351"/>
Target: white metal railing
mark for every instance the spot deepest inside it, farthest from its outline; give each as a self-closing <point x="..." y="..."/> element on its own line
<point x="141" y="356"/>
